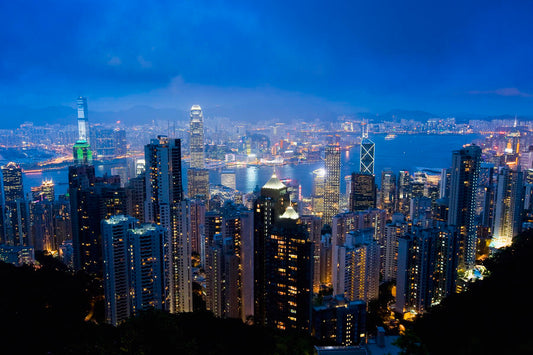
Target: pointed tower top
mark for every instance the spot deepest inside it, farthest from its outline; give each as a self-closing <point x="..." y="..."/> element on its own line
<point x="290" y="213"/>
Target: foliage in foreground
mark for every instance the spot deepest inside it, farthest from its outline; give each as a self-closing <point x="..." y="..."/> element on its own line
<point x="493" y="316"/>
<point x="43" y="312"/>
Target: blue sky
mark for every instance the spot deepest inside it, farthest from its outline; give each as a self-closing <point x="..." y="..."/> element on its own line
<point x="343" y="56"/>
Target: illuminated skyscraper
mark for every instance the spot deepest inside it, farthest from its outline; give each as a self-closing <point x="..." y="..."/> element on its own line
<point x="426" y="268"/>
<point x="363" y="194"/>
<point x="198" y="183"/>
<point x="356" y="270"/>
<point x="268" y="207"/>
<point x="332" y="182"/>
<point x="289" y="274"/>
<point x="404" y="191"/>
<point x="318" y="191"/>
<point x="133" y="267"/>
<point x="82" y="153"/>
<point x="196" y="141"/>
<point x="462" y="203"/>
<point x="12" y="180"/>
<point x="83" y="119"/>
<point x="388" y="191"/>
<point x="509" y="207"/>
<point x="91" y="200"/>
<point x="165" y="206"/>
<point x="367" y="154"/>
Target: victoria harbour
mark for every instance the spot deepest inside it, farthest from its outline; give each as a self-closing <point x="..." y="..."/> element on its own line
<point x="406" y="152"/>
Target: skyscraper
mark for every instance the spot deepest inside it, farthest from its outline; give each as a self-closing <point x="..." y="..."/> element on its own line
<point x="91" y="200"/>
<point x="165" y="206"/>
<point x="197" y="175"/>
<point x="196" y="141"/>
<point x="319" y="176"/>
<point x="12" y="180"/>
<point x="509" y="206"/>
<point x="363" y="194"/>
<point x="198" y="183"/>
<point x="133" y="267"/>
<point x="289" y="274"/>
<point x="268" y="207"/>
<point x="426" y="269"/>
<point x="462" y="203"/>
<point x="163" y="179"/>
<point x="332" y="182"/>
<point x="388" y="191"/>
<point x="83" y="119"/>
<point x="367" y="153"/>
<point x="356" y="266"/>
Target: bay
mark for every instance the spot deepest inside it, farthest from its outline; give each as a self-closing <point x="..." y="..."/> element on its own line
<point x="405" y="152"/>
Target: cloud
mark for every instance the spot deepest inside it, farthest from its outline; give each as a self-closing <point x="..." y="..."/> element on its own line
<point x="502" y="92"/>
<point x="114" y="61"/>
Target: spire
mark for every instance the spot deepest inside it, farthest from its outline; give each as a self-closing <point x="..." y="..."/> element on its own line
<point x="363" y="130"/>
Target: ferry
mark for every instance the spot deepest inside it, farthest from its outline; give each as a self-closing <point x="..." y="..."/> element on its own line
<point x="390" y="136"/>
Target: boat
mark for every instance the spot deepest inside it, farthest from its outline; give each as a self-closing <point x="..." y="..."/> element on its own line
<point x="390" y="136"/>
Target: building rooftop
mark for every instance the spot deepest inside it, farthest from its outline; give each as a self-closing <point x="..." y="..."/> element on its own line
<point x="290" y="213"/>
<point x="274" y="184"/>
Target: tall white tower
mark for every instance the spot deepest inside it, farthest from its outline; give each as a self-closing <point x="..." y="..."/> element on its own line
<point x="83" y="119"/>
<point x="196" y="142"/>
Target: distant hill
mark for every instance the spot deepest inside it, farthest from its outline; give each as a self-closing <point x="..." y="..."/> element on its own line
<point x="13" y="116"/>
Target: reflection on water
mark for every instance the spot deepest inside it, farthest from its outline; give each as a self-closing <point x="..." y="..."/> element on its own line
<point x="406" y="152"/>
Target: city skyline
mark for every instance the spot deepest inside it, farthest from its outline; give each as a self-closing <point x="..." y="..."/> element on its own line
<point x="346" y="174"/>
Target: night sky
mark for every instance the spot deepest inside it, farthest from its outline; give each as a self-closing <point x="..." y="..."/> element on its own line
<point x="345" y="56"/>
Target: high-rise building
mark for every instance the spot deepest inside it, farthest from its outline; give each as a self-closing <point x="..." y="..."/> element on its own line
<point x="133" y="267"/>
<point x="509" y="206"/>
<point x="12" y="180"/>
<point x="198" y="183"/>
<point x="92" y="199"/>
<point x="44" y="192"/>
<point x="427" y="264"/>
<point x="462" y="202"/>
<point x="367" y="154"/>
<point x="317" y="197"/>
<point x="404" y="191"/>
<point x="83" y="119"/>
<point x="165" y="206"/>
<point x="356" y="266"/>
<point x="271" y="203"/>
<point x="363" y="194"/>
<point x="196" y="140"/>
<point x="332" y="182"/>
<point x="116" y="280"/>
<point x="289" y="274"/>
<point x="340" y="321"/>
<point x="103" y="142"/>
<point x="14" y="210"/>
<point x="226" y="295"/>
<point x="163" y="179"/>
<point x="393" y="231"/>
<point x="82" y="153"/>
<point x="136" y="195"/>
<point x="388" y="191"/>
<point x="198" y="210"/>
<point x="314" y="227"/>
